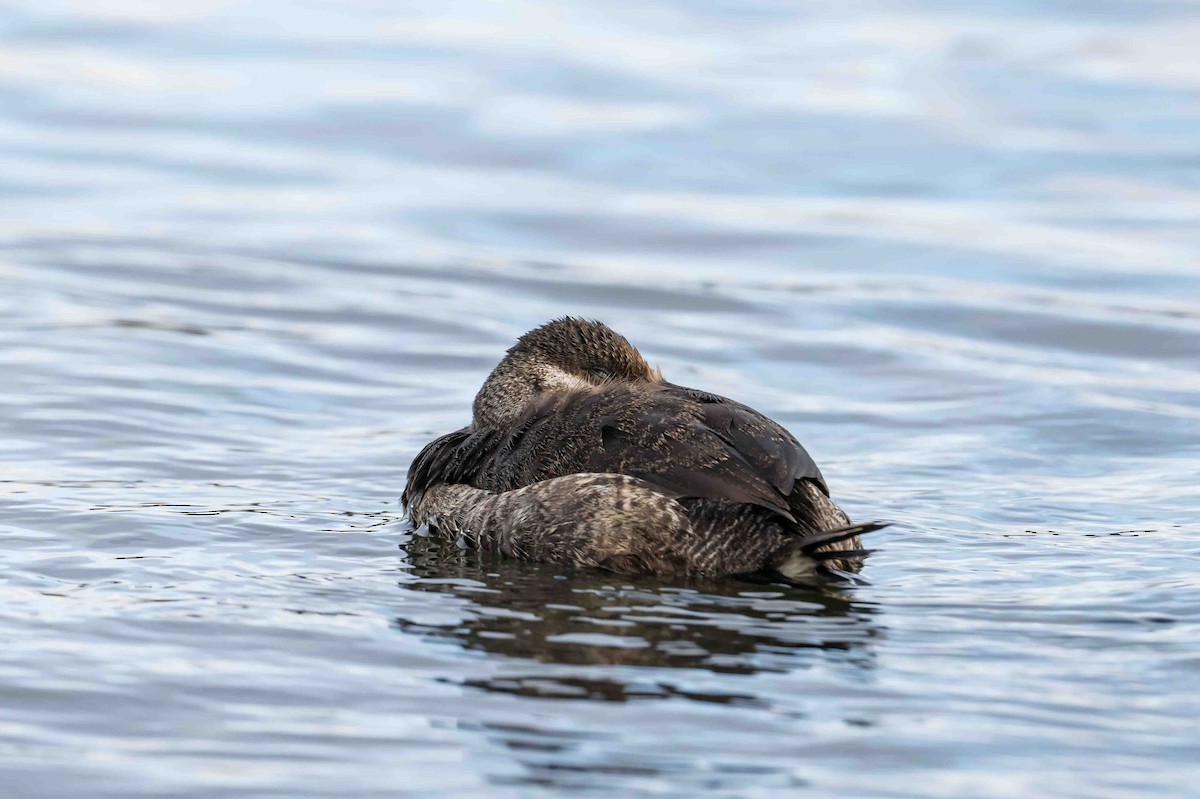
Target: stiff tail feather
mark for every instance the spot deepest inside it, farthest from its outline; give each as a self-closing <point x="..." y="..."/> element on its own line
<point x="800" y="560"/>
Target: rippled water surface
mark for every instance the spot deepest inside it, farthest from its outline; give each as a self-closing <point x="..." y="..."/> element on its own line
<point x="254" y="255"/>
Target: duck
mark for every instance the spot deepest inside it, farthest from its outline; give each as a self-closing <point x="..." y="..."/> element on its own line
<point x="580" y="453"/>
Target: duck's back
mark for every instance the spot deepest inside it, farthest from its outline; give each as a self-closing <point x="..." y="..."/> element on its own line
<point x="710" y="452"/>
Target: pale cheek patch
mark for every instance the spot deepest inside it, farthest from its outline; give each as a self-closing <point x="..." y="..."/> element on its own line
<point x="555" y="379"/>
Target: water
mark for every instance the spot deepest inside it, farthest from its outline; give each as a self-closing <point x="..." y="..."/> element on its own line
<point x="254" y="255"/>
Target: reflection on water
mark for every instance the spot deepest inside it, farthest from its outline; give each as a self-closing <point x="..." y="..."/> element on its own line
<point x="544" y="614"/>
<point x="586" y="637"/>
<point x="254" y="255"/>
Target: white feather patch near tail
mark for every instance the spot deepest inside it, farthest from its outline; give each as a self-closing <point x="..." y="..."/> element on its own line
<point x="797" y="566"/>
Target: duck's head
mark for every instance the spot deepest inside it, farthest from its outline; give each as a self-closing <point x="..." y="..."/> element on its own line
<point x="562" y="355"/>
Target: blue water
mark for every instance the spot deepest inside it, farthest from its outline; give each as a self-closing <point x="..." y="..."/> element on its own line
<point x="254" y="255"/>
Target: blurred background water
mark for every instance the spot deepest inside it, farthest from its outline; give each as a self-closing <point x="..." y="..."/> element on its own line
<point x="254" y="255"/>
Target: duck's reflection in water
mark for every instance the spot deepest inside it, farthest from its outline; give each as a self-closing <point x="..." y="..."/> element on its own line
<point x="605" y="637"/>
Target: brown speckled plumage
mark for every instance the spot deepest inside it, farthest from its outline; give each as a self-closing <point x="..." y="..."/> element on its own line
<point x="580" y="453"/>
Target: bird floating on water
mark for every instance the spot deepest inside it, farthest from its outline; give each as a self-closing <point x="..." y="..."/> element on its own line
<point x="580" y="453"/>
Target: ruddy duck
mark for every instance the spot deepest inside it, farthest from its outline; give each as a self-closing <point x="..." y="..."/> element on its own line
<point x="580" y="453"/>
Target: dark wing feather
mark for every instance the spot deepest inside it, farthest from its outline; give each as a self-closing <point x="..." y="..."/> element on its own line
<point x="770" y="448"/>
<point x="687" y="443"/>
<point x="679" y="451"/>
<point x="453" y="458"/>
